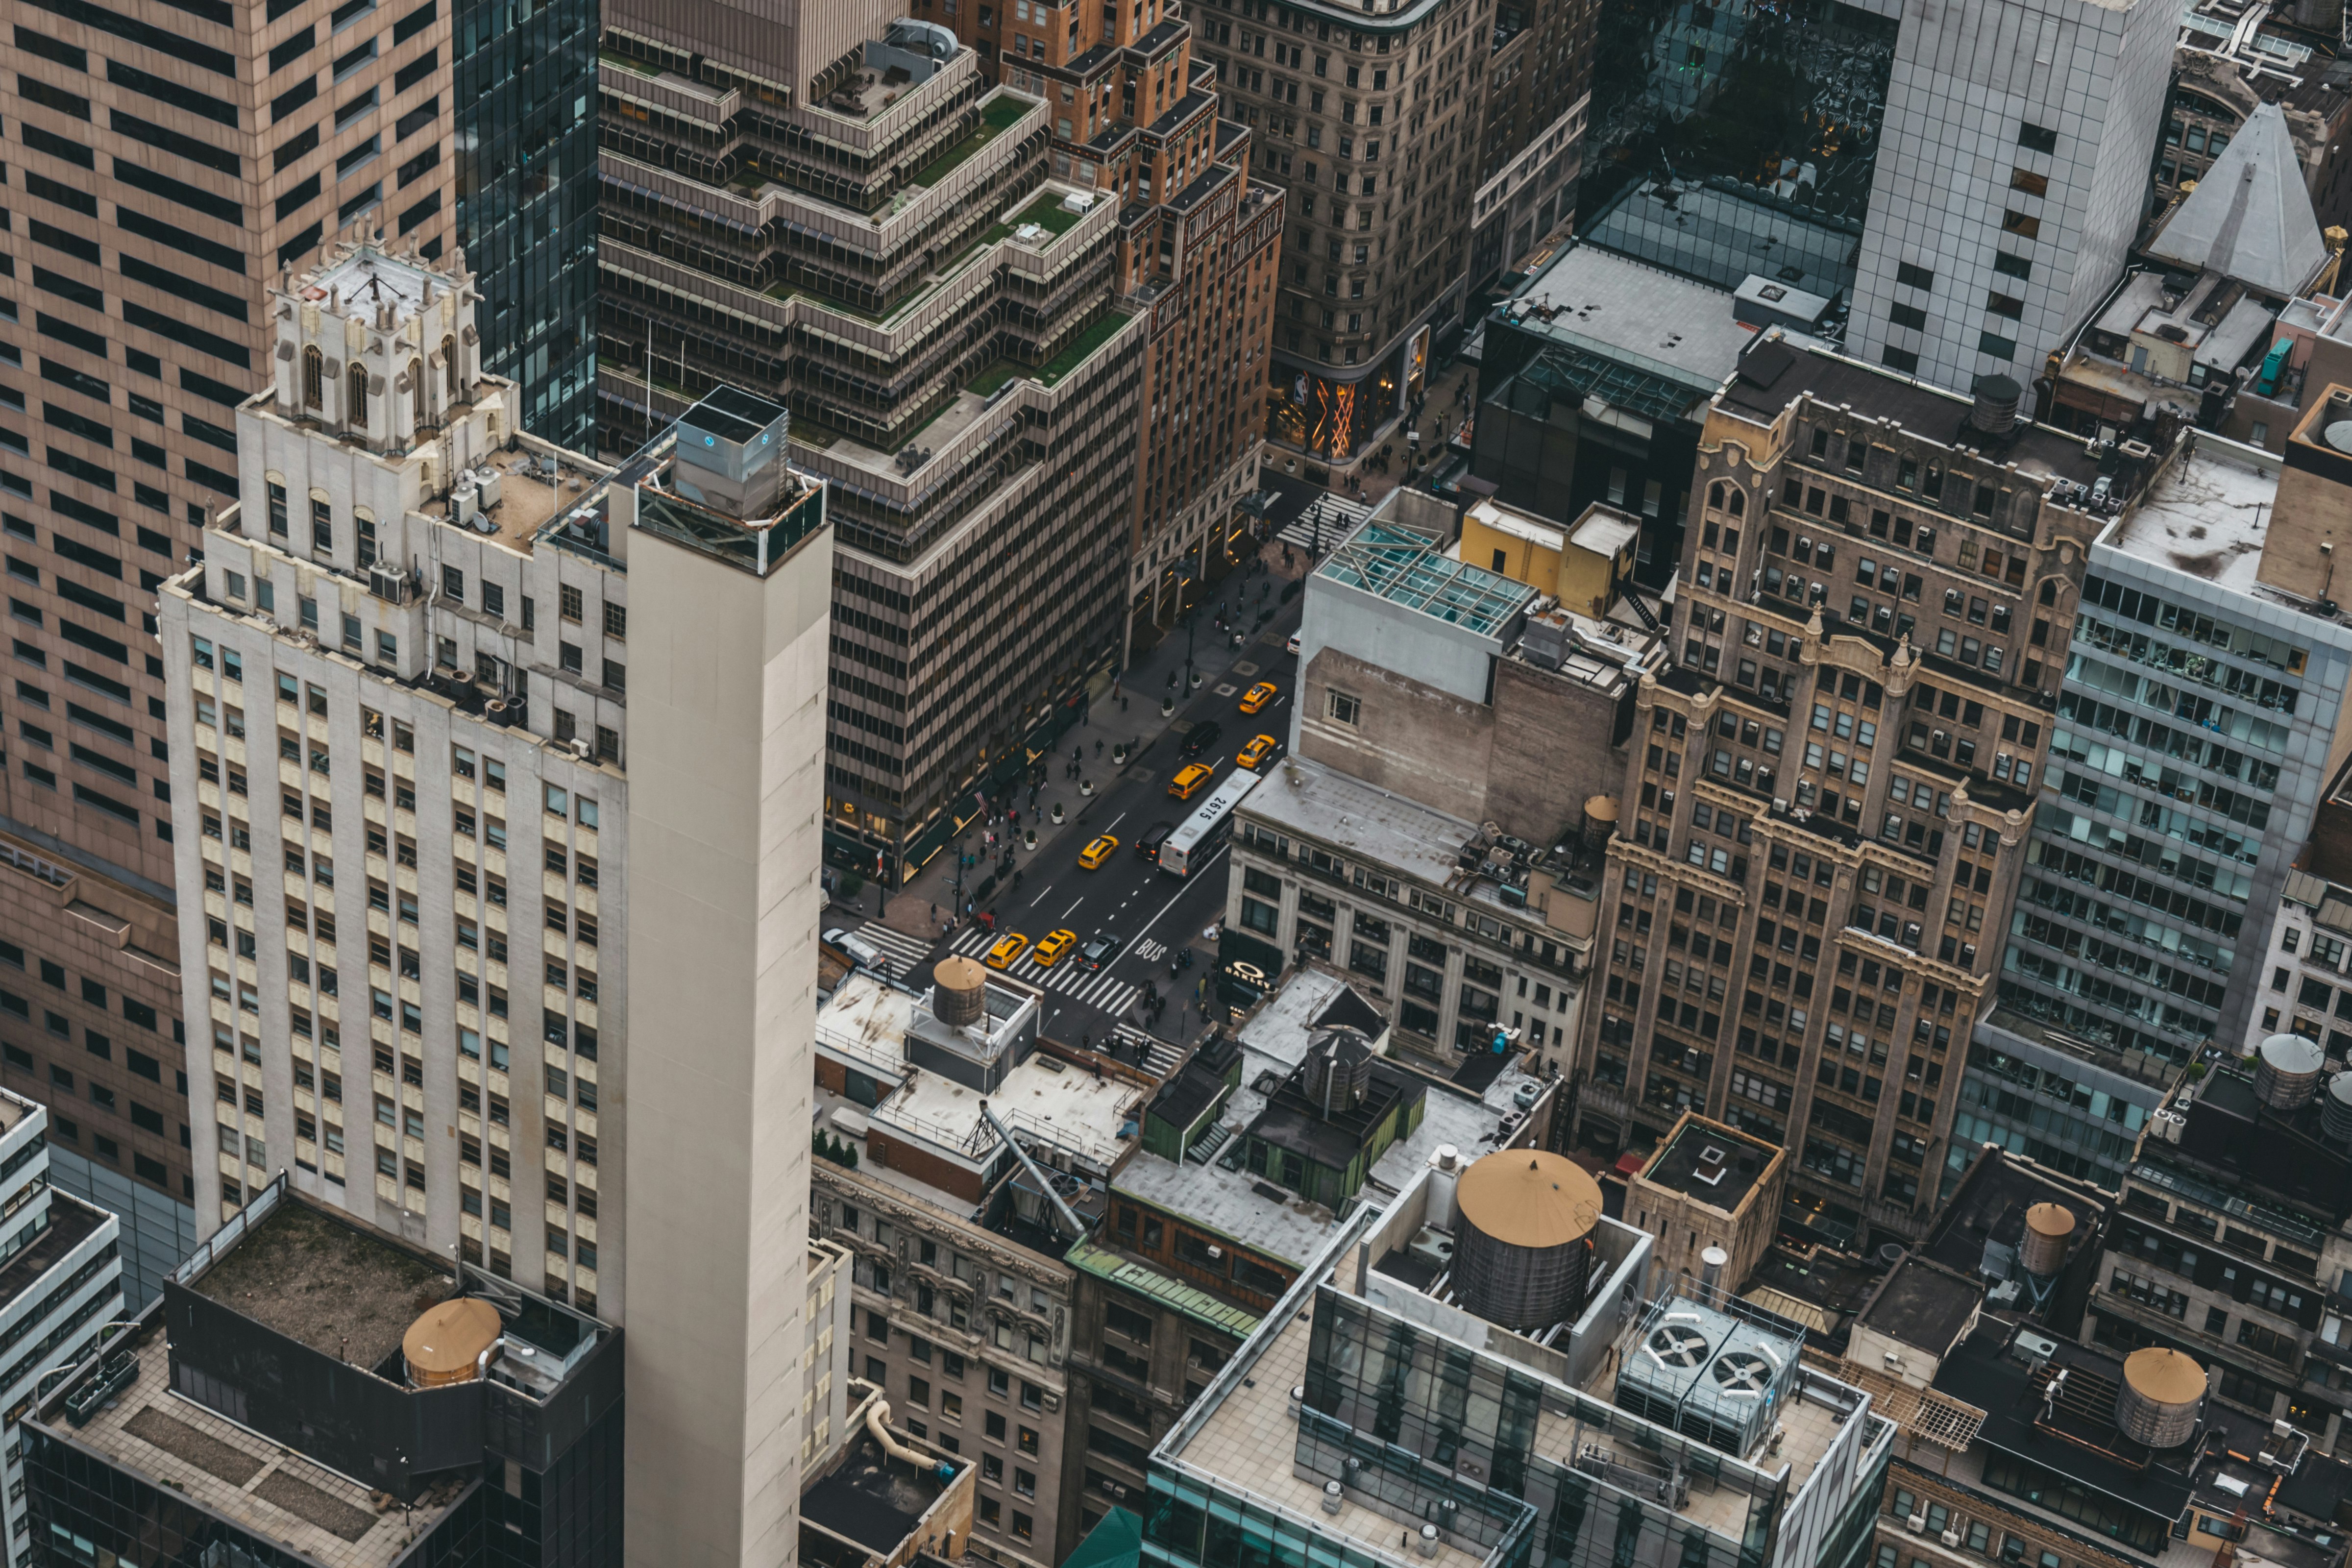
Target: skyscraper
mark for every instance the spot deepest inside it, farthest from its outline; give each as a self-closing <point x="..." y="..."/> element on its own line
<point x="2011" y="181"/>
<point x="1375" y="121"/>
<point x="171" y="160"/>
<point x="1826" y="807"/>
<point x="956" y="314"/>
<point x="415" y="976"/>
<point x="1132" y="118"/>
<point x="524" y="85"/>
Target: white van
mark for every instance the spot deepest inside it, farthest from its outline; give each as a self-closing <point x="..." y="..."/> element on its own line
<point x="856" y="950"/>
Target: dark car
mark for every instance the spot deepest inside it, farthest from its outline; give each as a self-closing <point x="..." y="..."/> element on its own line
<point x="1148" y="846"/>
<point x="1201" y="737"/>
<point x="1101" y="949"/>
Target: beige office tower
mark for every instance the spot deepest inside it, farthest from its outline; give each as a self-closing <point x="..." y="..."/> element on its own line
<point x="725" y="827"/>
<point x="400" y="694"/>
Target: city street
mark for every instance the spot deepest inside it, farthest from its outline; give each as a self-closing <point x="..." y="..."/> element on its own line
<point x="1154" y="915"/>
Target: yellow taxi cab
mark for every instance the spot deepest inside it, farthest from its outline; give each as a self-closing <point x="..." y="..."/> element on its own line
<point x="1258" y="696"/>
<point x="1051" y="947"/>
<point x="1007" y="951"/>
<point x="1095" y="853"/>
<point x="1256" y="752"/>
<point x="1191" y="781"/>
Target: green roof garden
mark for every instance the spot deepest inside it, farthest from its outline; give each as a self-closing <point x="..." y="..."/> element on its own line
<point x="623" y="62"/>
<point x="1047" y="212"/>
<point x="998" y="115"/>
<point x="1084" y="344"/>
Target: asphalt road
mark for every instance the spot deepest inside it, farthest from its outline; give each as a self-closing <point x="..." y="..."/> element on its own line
<point x="1153" y="914"/>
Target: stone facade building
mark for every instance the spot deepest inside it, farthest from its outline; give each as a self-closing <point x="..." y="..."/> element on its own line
<point x="1824" y="813"/>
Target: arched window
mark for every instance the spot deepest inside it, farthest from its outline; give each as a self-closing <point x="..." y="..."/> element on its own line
<point x="1738" y="503"/>
<point x="416" y="391"/>
<point x="1715" y="497"/>
<point x="314" y="378"/>
<point x="449" y="367"/>
<point x="358" y="379"/>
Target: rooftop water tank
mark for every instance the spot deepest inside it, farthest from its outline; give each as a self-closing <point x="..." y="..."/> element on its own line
<point x="1522" y="1246"/>
<point x="2286" y="1071"/>
<point x="2158" y="1401"/>
<point x="1338" y="1071"/>
<point x="958" y="986"/>
<point x="443" y="1346"/>
<point x="2042" y="1248"/>
<point x="2336" y="1109"/>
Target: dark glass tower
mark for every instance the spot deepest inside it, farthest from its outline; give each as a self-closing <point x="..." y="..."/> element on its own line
<point x="1738" y="138"/>
<point x="525" y="86"/>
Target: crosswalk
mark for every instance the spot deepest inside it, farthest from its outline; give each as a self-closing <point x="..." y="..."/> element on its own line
<point x="1160" y="1057"/>
<point x="906" y="953"/>
<point x="1337" y="516"/>
<point x="1095" y="989"/>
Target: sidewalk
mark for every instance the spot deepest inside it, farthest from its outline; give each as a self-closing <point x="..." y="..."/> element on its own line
<point x="1109" y="723"/>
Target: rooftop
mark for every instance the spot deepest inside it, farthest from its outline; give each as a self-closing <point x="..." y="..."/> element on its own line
<point x="1088" y="1113"/>
<point x="873" y="1498"/>
<point x="1221" y="1197"/>
<point x="263" y="1487"/>
<point x="1776" y="369"/>
<point x="523" y="490"/>
<point x="329" y="1286"/>
<point x="2003" y="1369"/>
<point x="362" y="278"/>
<point x="2205" y="514"/>
<point x="2250" y="218"/>
<point x="1923" y="1304"/>
<point x="1594" y="1377"/>
<point x="1408" y="566"/>
<point x="1709" y="1162"/>
<point x="1315" y="801"/>
<point x="1642" y="315"/>
<point x="1978" y="1229"/>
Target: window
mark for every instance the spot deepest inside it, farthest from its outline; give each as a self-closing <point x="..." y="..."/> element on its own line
<point x="2035" y="137"/>
<point x="1344" y="709"/>
<point x="1912" y="276"/>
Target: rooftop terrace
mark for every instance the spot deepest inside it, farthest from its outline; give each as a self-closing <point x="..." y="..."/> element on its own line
<point x="2206" y="515"/>
<point x="263" y="1487"/>
<point x="329" y="1286"/>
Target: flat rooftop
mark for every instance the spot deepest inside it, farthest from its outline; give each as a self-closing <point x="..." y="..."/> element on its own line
<point x="1778" y="370"/>
<point x="1250" y="1439"/>
<point x="1716" y="1164"/>
<point x="872" y="1498"/>
<point x="1318" y="802"/>
<point x="1245" y="1432"/>
<point x="1985" y="1217"/>
<point x="1409" y="567"/>
<point x="1924" y="1305"/>
<point x="1064" y="1104"/>
<point x="1611" y="304"/>
<point x="364" y="275"/>
<point x="328" y="1285"/>
<point x="530" y="494"/>
<point x="2207" y="514"/>
<point x="264" y="1486"/>
<point x="1275" y="1220"/>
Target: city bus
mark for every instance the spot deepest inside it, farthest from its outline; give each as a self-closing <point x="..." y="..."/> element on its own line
<point x="1198" y="835"/>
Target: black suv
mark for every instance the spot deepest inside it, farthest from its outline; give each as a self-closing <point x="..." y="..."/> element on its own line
<point x="1148" y="845"/>
<point x="1201" y="737"/>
